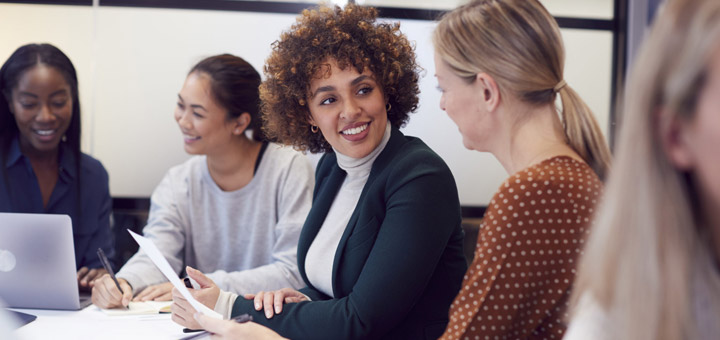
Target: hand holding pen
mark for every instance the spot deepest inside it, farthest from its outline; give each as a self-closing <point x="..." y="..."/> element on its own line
<point x="108" y="291"/>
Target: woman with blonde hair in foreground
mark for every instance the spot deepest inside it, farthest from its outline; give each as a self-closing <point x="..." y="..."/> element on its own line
<point x="650" y="269"/>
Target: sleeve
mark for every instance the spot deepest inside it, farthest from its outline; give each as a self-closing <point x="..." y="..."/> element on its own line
<point x="224" y="303"/>
<point x="293" y="203"/>
<point x="523" y="267"/>
<point x="166" y="229"/>
<point x="102" y="237"/>
<point x="421" y="213"/>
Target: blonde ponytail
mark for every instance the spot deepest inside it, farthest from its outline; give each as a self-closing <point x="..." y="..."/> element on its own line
<point x="583" y="133"/>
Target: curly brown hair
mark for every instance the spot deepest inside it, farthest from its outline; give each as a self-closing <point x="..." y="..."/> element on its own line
<point x="352" y="37"/>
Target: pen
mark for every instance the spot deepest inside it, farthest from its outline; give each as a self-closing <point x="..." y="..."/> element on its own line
<point x="106" y="265"/>
<point x="239" y="319"/>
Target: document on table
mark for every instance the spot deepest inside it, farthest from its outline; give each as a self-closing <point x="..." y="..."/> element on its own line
<point x="140" y="308"/>
<point x="161" y="263"/>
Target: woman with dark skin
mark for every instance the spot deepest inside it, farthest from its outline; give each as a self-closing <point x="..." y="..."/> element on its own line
<point x="43" y="169"/>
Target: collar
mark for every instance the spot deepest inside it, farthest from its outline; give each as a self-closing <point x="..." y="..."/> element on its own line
<point x="14" y="153"/>
<point x="66" y="158"/>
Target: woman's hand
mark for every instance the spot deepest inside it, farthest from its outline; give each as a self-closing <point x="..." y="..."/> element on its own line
<point x="86" y="277"/>
<point x="273" y="301"/>
<point x="228" y="330"/>
<point x="160" y="292"/>
<point x="182" y="311"/>
<point x="105" y="293"/>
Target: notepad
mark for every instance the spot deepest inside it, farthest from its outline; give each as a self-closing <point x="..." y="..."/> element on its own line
<point x="140" y="308"/>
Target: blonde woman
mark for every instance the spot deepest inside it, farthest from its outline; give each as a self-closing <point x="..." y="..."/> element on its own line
<point x="499" y="65"/>
<point x="650" y="269"/>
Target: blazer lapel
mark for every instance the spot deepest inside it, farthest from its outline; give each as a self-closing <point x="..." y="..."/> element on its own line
<point x="396" y="141"/>
<point x="327" y="190"/>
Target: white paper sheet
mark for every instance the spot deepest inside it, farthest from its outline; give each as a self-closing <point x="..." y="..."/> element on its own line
<point x="161" y="263"/>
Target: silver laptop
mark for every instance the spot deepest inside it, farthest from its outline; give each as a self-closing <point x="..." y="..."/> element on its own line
<point x="37" y="262"/>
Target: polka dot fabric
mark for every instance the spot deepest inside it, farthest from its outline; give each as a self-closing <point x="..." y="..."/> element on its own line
<point x="531" y="237"/>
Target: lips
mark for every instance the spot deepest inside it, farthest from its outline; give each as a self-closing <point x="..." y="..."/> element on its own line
<point x="355" y="130"/>
<point x="189" y="138"/>
<point x="45" y="135"/>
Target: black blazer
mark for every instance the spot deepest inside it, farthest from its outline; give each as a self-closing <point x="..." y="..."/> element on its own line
<point x="400" y="261"/>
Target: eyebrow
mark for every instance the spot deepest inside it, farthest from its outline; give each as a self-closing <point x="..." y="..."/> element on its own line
<point x="30" y="94"/>
<point x="331" y="88"/>
<point x="195" y="106"/>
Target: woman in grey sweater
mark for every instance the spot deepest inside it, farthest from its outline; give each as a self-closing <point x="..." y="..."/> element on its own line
<point x="234" y="210"/>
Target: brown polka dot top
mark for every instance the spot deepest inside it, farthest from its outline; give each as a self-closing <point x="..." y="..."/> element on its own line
<point x="531" y="237"/>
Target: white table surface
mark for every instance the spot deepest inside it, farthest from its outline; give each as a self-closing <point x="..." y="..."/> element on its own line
<point x="92" y="323"/>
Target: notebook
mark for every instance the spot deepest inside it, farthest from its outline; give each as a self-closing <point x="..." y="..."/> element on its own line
<point x="37" y="262"/>
<point x="140" y="308"/>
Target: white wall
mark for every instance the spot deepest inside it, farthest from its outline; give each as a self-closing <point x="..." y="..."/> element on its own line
<point x="132" y="61"/>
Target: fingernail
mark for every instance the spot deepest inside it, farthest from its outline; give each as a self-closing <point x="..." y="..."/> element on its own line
<point x="277" y="309"/>
<point x="257" y="306"/>
<point x="196" y="316"/>
<point x="268" y="314"/>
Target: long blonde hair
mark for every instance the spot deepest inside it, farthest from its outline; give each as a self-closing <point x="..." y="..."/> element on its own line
<point x="639" y="261"/>
<point x="518" y="43"/>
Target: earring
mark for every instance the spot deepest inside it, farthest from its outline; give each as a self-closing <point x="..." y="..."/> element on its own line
<point x="314" y="128"/>
<point x="64" y="138"/>
<point x="388" y="107"/>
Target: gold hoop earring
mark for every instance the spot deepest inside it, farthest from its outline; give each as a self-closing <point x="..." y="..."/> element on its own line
<point x="388" y="107"/>
<point x="314" y="128"/>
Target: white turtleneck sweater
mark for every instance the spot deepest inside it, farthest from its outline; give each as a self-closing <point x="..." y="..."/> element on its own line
<point x="320" y="256"/>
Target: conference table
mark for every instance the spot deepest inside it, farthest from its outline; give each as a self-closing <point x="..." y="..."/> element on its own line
<point x="92" y="323"/>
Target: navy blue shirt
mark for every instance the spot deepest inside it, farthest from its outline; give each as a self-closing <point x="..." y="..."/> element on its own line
<point x="91" y="230"/>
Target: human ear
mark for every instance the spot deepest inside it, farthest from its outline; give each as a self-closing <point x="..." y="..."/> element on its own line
<point x="673" y="133"/>
<point x="488" y="90"/>
<point x="241" y="123"/>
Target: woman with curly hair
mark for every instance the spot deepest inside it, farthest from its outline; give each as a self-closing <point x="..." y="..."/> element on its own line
<point x="381" y="249"/>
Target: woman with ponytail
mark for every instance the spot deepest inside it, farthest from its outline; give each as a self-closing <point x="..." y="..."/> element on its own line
<point x="499" y="65"/>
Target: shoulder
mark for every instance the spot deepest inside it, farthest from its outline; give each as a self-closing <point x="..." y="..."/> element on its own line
<point x="280" y="158"/>
<point x="559" y="178"/>
<point x="413" y="158"/>
<point x="92" y="169"/>
<point x="411" y="154"/>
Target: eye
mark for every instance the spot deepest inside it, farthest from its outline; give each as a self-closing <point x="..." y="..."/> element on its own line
<point x="59" y="104"/>
<point x="197" y="115"/>
<point x="180" y="106"/>
<point x="440" y="89"/>
<point x="365" y="90"/>
<point x="28" y="105"/>
<point x="327" y="101"/>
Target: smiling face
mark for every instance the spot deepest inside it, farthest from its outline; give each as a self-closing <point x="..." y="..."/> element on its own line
<point x="42" y="105"/>
<point x="202" y="121"/>
<point x="349" y="109"/>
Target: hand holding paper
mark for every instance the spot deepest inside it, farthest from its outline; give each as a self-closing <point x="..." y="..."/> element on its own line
<point x="161" y="263"/>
